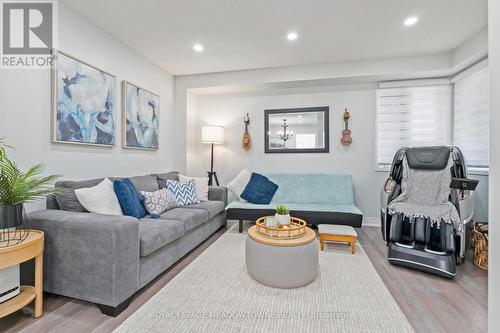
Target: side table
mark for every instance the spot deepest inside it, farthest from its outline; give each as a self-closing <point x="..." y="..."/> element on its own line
<point x="31" y="247"/>
<point x="282" y="263"/>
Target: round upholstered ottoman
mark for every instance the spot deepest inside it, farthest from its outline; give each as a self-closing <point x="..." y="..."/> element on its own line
<point x="282" y="263"/>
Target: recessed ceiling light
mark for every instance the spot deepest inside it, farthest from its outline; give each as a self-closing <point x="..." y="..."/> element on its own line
<point x="411" y="21"/>
<point x="198" y="48"/>
<point x="292" y="36"/>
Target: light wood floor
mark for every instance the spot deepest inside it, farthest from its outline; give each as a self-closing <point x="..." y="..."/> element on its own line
<point x="431" y="303"/>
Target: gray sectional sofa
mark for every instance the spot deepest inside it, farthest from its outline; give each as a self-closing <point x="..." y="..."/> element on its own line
<point x="106" y="259"/>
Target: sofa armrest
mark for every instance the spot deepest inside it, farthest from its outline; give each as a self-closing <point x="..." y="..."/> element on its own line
<point x="93" y="257"/>
<point x="218" y="193"/>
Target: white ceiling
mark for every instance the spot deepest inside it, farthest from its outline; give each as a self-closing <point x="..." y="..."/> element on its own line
<point x="247" y="34"/>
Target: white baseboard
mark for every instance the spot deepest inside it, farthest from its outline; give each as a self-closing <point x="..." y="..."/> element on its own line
<point x="371" y="221"/>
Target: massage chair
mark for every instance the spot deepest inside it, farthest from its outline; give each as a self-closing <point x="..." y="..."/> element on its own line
<point x="415" y="242"/>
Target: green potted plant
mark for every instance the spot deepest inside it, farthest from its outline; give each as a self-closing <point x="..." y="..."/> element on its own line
<point x="18" y="187"/>
<point x="282" y="214"/>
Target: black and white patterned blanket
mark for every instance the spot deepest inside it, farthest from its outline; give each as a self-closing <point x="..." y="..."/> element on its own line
<point x="425" y="193"/>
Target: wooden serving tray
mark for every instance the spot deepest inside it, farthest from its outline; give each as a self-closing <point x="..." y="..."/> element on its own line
<point x="295" y="229"/>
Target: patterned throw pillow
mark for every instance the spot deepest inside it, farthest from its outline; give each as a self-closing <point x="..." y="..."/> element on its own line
<point x="201" y="185"/>
<point x="159" y="201"/>
<point x="185" y="193"/>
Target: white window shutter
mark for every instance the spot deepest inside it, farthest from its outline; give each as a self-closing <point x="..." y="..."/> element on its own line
<point x="410" y="117"/>
<point x="471" y="118"/>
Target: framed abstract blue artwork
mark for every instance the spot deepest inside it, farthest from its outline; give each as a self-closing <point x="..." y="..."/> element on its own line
<point x="84" y="103"/>
<point x="140" y="117"/>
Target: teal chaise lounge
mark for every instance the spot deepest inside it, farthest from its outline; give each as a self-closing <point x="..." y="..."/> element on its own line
<point x="316" y="198"/>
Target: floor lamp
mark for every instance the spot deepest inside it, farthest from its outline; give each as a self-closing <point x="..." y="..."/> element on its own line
<point x="213" y="135"/>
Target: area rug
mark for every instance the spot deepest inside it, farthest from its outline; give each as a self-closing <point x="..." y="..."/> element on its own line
<point x="215" y="294"/>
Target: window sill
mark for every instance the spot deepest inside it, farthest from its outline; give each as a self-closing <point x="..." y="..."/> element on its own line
<point x="386" y="169"/>
<point x="478" y="171"/>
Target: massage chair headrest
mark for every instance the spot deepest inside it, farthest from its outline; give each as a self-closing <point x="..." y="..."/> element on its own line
<point x="427" y="158"/>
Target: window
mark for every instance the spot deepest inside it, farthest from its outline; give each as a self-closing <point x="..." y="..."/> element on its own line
<point x="305" y="140"/>
<point x="411" y="116"/>
<point x="471" y="118"/>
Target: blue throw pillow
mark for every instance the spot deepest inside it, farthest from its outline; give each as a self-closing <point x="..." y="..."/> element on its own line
<point x="128" y="197"/>
<point x="259" y="190"/>
<point x="185" y="193"/>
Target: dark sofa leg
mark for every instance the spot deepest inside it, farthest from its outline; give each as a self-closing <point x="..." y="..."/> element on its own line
<point x="113" y="311"/>
<point x="240" y="227"/>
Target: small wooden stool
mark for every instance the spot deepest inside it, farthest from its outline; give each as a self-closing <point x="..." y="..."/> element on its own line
<point x="337" y="233"/>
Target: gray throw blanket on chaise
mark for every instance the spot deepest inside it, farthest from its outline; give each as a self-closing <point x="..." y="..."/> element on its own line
<point x="426" y="194"/>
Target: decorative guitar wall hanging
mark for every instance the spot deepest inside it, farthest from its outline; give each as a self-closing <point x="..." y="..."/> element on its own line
<point x="246" y="142"/>
<point x="346" y="133"/>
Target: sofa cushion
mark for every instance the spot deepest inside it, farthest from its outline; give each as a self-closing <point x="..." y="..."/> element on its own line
<point x="185" y="193"/>
<point x="200" y="184"/>
<point x="238" y="184"/>
<point x="313" y="188"/>
<point x="212" y="207"/>
<point x="146" y="183"/>
<point x="158" y="201"/>
<point x="129" y="198"/>
<point x="259" y="190"/>
<point x="66" y="197"/>
<point x="190" y="217"/>
<point x="304" y="207"/>
<point x="163" y="177"/>
<point x="100" y="199"/>
<point x="156" y="233"/>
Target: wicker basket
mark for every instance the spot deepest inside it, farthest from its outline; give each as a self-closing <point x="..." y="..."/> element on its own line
<point x="480" y="246"/>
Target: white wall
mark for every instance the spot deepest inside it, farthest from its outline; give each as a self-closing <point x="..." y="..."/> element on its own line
<point x="25" y="108"/>
<point x="359" y="159"/>
<point x="315" y="76"/>
<point x="228" y="111"/>
<point x="494" y="197"/>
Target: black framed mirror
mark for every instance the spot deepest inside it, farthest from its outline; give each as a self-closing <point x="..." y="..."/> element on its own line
<point x="297" y="130"/>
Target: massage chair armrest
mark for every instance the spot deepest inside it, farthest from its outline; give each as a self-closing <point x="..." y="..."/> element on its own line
<point x="389" y="193"/>
<point x="467" y="206"/>
<point x="384" y="199"/>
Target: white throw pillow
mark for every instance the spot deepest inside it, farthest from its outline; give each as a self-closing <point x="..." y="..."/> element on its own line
<point x="238" y="184"/>
<point x="201" y="185"/>
<point x="100" y="199"/>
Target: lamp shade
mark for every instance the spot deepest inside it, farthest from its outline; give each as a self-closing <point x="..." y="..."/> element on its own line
<point x="212" y="134"/>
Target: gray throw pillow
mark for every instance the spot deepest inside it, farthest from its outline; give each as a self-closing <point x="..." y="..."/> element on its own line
<point x="147" y="183"/>
<point x="163" y="177"/>
<point x="66" y="197"/>
<point x="159" y="201"/>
